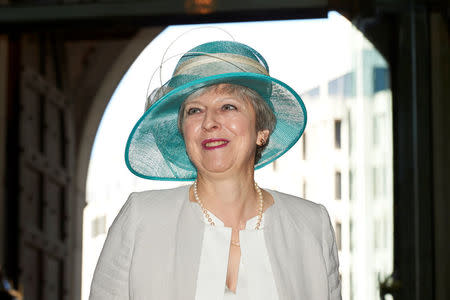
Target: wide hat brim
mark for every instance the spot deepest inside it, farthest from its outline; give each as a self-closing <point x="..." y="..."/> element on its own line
<point x="155" y="148"/>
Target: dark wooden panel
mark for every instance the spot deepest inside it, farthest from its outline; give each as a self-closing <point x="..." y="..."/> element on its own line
<point x="31" y="199"/>
<point x="45" y="180"/>
<point x="31" y="131"/>
<point x="51" y="279"/>
<point x="54" y="138"/>
<point x="30" y="272"/>
<point x="53" y="216"/>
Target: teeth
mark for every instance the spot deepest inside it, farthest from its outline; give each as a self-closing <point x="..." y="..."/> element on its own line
<point x="214" y="144"/>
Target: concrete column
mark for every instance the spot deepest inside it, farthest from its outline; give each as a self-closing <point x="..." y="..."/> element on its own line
<point x="440" y="95"/>
<point x="3" y="108"/>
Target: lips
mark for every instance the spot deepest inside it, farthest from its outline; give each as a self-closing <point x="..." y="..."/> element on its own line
<point x="211" y="144"/>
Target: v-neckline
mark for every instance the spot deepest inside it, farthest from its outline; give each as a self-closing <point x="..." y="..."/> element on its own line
<point x="265" y="219"/>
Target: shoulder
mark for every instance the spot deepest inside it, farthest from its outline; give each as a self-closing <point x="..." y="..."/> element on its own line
<point x="297" y="205"/>
<point x="301" y="212"/>
<point x="154" y="203"/>
<point x="156" y="197"/>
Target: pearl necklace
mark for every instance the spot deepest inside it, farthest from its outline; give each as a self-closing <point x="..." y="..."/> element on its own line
<point x="211" y="222"/>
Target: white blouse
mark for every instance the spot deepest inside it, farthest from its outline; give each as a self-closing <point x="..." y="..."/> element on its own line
<point x="255" y="277"/>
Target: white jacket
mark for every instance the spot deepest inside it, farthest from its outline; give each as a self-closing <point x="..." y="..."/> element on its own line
<point x="153" y="249"/>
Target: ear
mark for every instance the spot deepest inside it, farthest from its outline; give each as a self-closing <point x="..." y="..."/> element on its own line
<point x="262" y="137"/>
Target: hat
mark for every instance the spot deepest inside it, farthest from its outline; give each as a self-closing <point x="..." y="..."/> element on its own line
<point x="155" y="148"/>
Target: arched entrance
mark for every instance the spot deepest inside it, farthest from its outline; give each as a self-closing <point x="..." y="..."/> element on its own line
<point x="99" y="103"/>
<point x="414" y="40"/>
<point x="349" y="103"/>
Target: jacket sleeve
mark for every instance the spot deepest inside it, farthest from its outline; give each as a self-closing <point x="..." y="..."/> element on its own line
<point x="111" y="276"/>
<point x="330" y="255"/>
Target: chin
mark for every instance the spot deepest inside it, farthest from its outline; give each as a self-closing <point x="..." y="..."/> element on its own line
<point x="217" y="168"/>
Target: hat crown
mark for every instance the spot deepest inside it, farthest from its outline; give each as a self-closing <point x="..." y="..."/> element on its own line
<point x="225" y="55"/>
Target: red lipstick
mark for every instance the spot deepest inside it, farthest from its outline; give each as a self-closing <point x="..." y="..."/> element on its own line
<point x="210" y="144"/>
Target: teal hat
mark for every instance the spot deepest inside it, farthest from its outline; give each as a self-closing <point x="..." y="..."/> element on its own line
<point x="155" y="148"/>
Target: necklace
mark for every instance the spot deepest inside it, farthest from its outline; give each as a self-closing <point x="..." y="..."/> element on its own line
<point x="211" y="222"/>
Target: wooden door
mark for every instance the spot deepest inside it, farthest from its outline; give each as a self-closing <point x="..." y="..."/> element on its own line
<point x="45" y="184"/>
<point x="41" y="164"/>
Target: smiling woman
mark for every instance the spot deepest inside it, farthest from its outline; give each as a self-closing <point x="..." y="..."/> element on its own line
<point x="223" y="237"/>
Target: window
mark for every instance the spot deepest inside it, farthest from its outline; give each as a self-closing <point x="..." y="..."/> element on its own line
<point x="337" y="184"/>
<point x="349" y="87"/>
<point x="378" y="231"/>
<point x="379" y="181"/>
<point x="349" y="132"/>
<point x="333" y="87"/>
<point x="375" y="234"/>
<point x="375" y="182"/>
<point x="350" y="185"/>
<point x="352" y="293"/>
<point x="98" y="226"/>
<point x="337" y="134"/>
<point x="375" y="130"/>
<point x="380" y="79"/>
<point x="304" y="146"/>
<point x="342" y="86"/>
<point x="338" y="235"/>
<point x="351" y="244"/>
<point x="312" y="93"/>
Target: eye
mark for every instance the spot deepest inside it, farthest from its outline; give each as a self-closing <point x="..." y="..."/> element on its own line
<point x="193" y="110"/>
<point x="229" y="107"/>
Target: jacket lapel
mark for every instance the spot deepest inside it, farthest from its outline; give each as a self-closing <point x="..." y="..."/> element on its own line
<point x="295" y="254"/>
<point x="188" y="242"/>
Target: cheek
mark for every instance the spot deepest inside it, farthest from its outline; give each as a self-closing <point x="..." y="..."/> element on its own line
<point x="189" y="128"/>
<point x="189" y="134"/>
<point x="243" y="127"/>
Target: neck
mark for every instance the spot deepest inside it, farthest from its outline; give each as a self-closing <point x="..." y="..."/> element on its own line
<point x="233" y="200"/>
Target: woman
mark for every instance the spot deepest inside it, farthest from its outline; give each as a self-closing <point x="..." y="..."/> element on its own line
<point x="219" y="117"/>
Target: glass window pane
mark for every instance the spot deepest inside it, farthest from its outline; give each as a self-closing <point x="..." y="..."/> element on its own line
<point x="337" y="134"/>
<point x="338" y="229"/>
<point x="337" y="185"/>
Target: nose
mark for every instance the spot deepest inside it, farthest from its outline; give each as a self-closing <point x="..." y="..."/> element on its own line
<point x="210" y="122"/>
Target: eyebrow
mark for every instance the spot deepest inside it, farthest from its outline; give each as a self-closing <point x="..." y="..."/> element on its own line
<point x="191" y="102"/>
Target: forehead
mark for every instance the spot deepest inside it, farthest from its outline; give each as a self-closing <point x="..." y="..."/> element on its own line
<point x="219" y="90"/>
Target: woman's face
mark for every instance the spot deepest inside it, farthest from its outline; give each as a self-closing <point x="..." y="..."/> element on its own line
<point x="219" y="132"/>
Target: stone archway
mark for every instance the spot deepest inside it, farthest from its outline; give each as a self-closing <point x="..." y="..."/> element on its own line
<point x="90" y="123"/>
